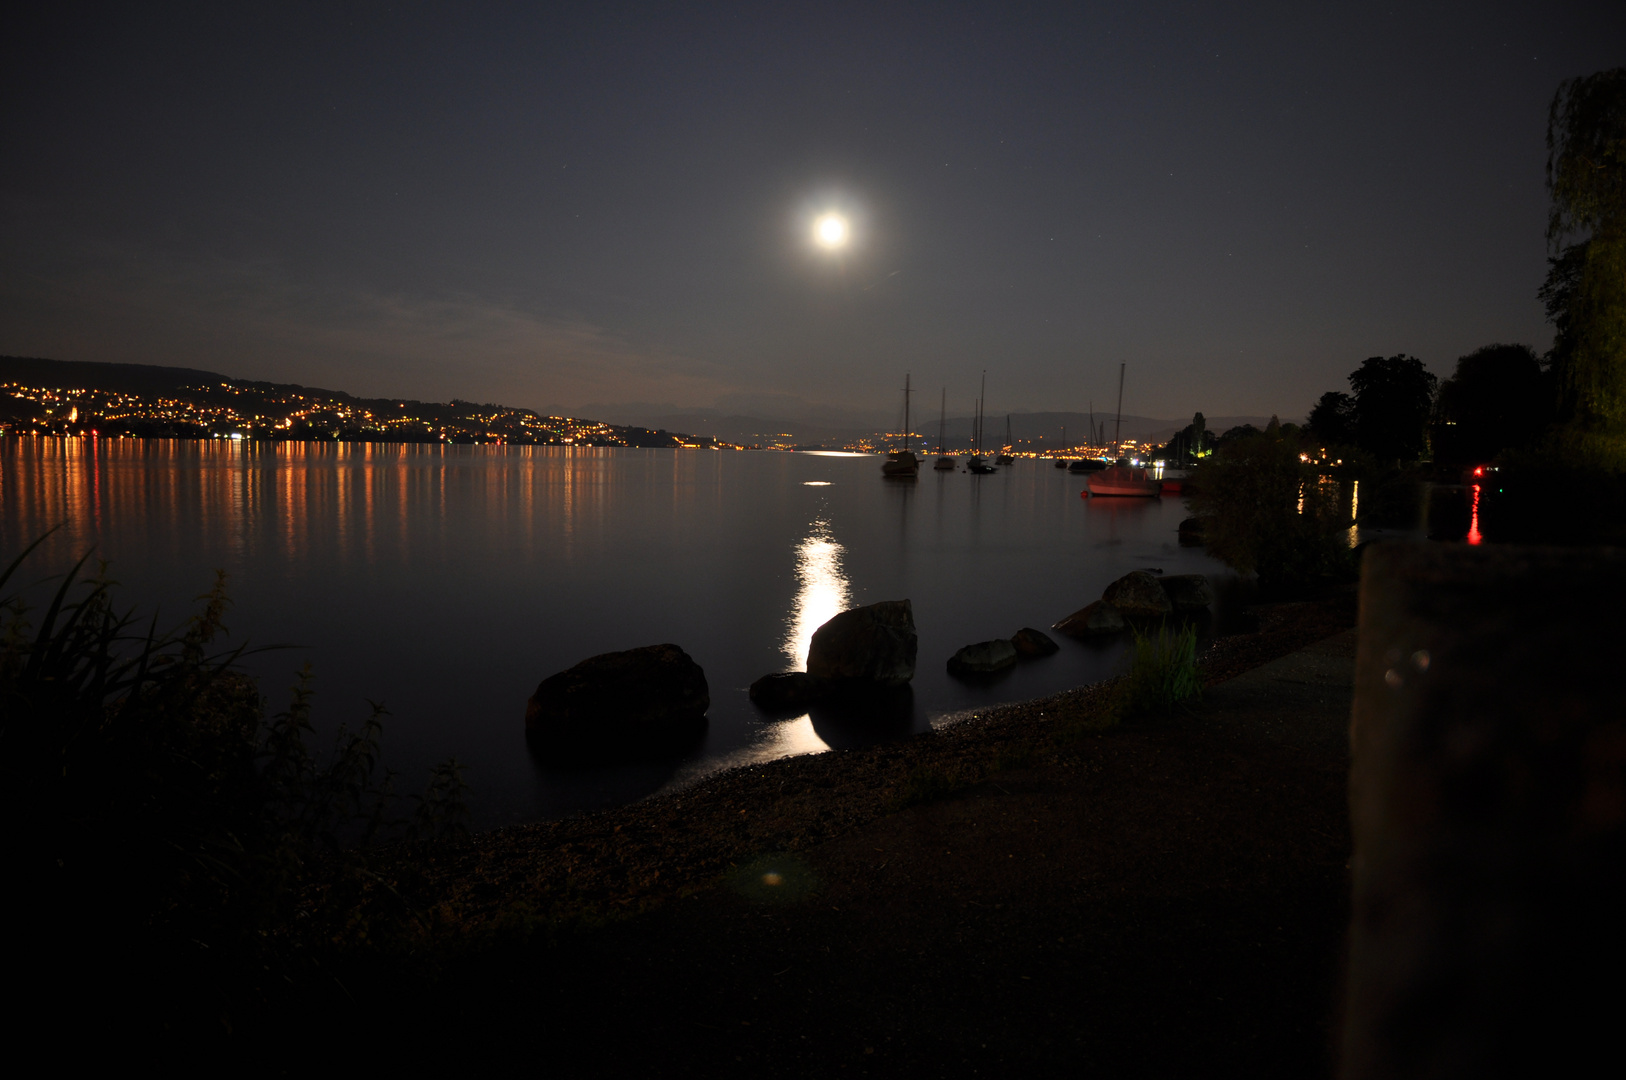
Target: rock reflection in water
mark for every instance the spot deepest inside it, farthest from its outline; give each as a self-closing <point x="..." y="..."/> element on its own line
<point x="864" y="717"/>
<point x="595" y="752"/>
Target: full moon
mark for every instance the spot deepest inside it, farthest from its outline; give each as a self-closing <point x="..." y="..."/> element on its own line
<point x="830" y="231"/>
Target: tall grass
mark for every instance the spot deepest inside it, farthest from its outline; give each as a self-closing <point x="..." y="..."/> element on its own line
<point x="1162" y="671"/>
<point x="167" y="832"/>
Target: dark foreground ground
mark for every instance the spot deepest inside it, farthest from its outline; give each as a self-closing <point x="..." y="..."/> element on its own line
<point x="1024" y="894"/>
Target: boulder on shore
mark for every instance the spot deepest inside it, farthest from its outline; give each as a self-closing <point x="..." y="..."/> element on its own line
<point x="784" y="691"/>
<point x="983" y="658"/>
<point x="1189" y="593"/>
<point x="872" y="645"/>
<point x="1190" y="532"/>
<point x="648" y="693"/>
<point x="1138" y="595"/>
<point x="1097" y="620"/>
<point x="1031" y="642"/>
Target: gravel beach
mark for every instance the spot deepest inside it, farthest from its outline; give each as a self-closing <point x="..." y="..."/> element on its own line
<point x="1022" y="890"/>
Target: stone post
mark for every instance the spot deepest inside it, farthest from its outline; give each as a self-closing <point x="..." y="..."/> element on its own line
<point x="1488" y="805"/>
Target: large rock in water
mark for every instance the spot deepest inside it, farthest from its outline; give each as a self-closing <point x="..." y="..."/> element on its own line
<point x="874" y="645"/>
<point x="1191" y="531"/>
<point x="1097" y="620"/>
<point x="653" y="693"/>
<point x="1031" y="642"/>
<point x="784" y="691"/>
<point x="1189" y="593"/>
<point x="1138" y="595"/>
<point x="983" y="658"/>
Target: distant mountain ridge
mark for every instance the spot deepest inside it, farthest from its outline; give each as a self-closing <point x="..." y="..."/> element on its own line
<point x="1025" y="426"/>
<point x="124" y="378"/>
<point x="155" y="379"/>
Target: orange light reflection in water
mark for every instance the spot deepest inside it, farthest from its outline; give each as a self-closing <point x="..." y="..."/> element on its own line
<point x="1474" y="536"/>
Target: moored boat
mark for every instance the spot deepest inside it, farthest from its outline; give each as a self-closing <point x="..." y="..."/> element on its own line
<point x="902" y="464"/>
<point x="944" y="462"/>
<point x="976" y="464"/>
<point x="1123" y="481"/>
<point x="1005" y="457"/>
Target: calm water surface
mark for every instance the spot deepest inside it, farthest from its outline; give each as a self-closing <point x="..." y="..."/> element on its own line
<point x="446" y="582"/>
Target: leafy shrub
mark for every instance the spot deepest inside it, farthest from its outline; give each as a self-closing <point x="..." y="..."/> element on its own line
<point x="168" y="829"/>
<point x="1162" y="671"/>
<point x="1268" y="513"/>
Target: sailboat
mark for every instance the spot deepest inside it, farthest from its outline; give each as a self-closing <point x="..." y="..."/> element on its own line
<point x="902" y="464"/>
<point x="944" y="462"/>
<point x="1006" y="458"/>
<point x="1121" y="479"/>
<point x="1061" y="462"/>
<point x="976" y="464"/>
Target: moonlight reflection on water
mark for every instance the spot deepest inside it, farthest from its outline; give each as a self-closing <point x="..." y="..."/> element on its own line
<point x="822" y="590"/>
<point x="448" y="580"/>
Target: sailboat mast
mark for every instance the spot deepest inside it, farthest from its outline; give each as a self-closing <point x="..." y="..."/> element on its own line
<point x="1118" y="426"/>
<point x="906" y="412"/>
<point x="942" y="420"/>
<point x="981" y="396"/>
<point x="1092" y="419"/>
<point x="1007" y="433"/>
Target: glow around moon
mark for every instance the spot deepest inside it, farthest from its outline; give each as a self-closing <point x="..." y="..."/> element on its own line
<point x="831" y="231"/>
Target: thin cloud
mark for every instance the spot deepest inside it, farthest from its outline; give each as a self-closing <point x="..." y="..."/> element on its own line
<point x="68" y="296"/>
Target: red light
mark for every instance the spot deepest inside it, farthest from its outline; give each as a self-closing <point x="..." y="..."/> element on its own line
<point x="1479" y="470"/>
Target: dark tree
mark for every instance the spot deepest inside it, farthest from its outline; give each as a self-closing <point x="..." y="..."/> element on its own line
<point x="1557" y="295"/>
<point x="1498" y="398"/>
<point x="1585" y="291"/>
<point x="1394" y="397"/>
<point x="1189" y="442"/>
<point x="1241" y="431"/>
<point x="1333" y="419"/>
<point x="1266" y="512"/>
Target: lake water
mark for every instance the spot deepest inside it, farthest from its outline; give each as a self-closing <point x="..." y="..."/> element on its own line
<point x="446" y="582"/>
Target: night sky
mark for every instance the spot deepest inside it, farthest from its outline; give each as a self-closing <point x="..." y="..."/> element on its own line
<point x="613" y="206"/>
